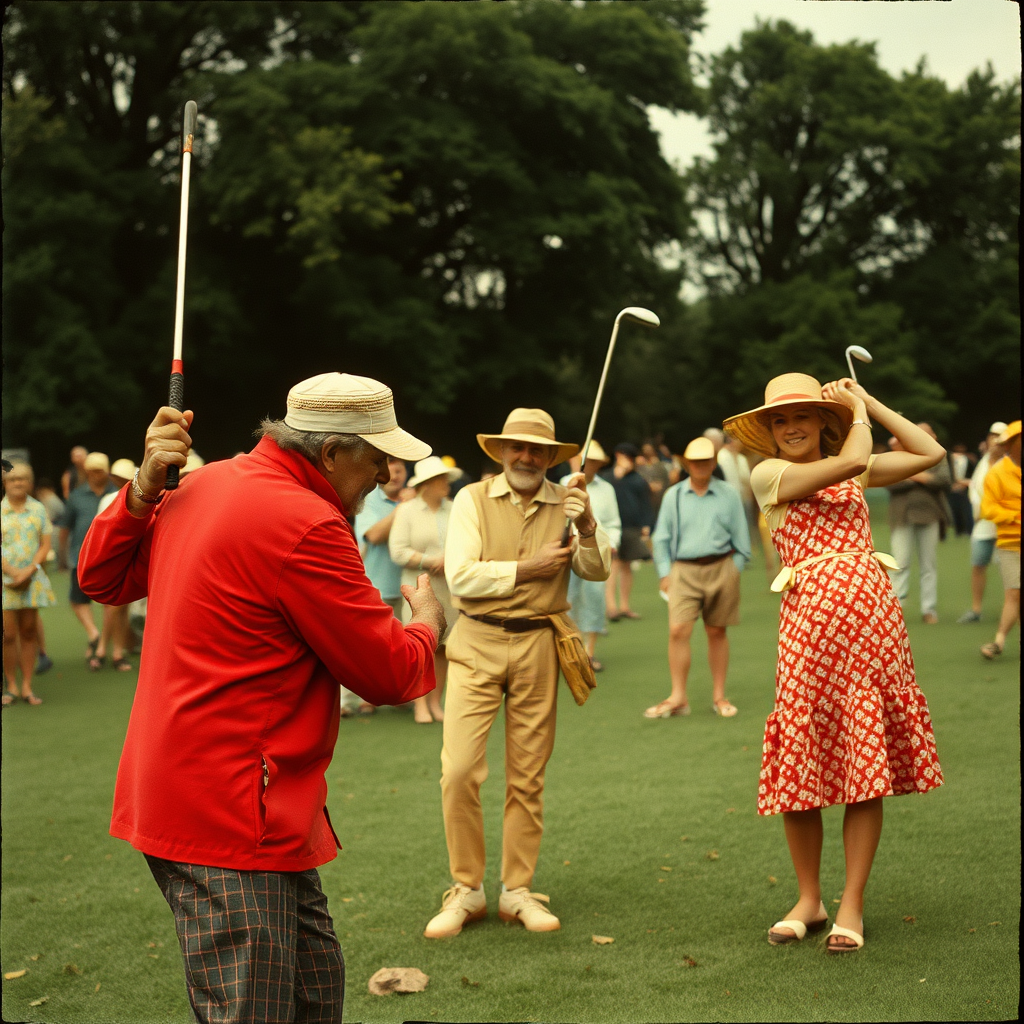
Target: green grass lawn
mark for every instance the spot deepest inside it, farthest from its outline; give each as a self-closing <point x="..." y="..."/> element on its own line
<point x="626" y="799"/>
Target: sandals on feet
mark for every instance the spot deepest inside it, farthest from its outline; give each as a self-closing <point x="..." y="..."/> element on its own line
<point x="667" y="710"/>
<point x="95" y="662"/>
<point x="797" y="927"/>
<point x="991" y="650"/>
<point x="122" y="664"/>
<point x="843" y="933"/>
<point x="33" y="700"/>
<point x="724" y="709"/>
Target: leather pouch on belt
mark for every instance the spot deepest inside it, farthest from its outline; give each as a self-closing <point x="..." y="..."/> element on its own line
<point x="573" y="658"/>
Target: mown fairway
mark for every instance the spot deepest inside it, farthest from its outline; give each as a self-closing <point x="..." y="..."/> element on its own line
<point x="652" y="839"/>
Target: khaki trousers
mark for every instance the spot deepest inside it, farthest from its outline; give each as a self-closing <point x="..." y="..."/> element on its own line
<point x="485" y="664"/>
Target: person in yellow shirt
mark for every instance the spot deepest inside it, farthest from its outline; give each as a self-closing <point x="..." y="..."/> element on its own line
<point x="1000" y="504"/>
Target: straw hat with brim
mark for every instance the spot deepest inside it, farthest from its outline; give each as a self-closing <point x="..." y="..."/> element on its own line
<point x="754" y="433"/>
<point x="700" y="448"/>
<point x="431" y="467"/>
<point x="532" y="426"/>
<point x="341" y="403"/>
<point x="124" y="468"/>
<point x="997" y="428"/>
<point x="595" y="453"/>
<point x="96" y="460"/>
<point x="1011" y="431"/>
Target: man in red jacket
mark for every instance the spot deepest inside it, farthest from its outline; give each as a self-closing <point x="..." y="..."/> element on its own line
<point x="258" y="608"/>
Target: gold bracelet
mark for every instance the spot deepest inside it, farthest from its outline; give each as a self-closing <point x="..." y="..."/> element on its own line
<point x="140" y="494"/>
<point x="865" y="422"/>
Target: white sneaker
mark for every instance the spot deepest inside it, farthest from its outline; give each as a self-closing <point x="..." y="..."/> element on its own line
<point x="459" y="905"/>
<point x="523" y="906"/>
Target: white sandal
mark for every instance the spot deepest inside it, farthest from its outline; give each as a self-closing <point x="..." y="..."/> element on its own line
<point x="845" y="933"/>
<point x="799" y="929"/>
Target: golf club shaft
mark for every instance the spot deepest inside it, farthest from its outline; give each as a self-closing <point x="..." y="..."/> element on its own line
<point x="593" y="418"/>
<point x="849" y="363"/>
<point x="176" y="397"/>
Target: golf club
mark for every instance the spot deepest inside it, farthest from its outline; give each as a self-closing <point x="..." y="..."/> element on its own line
<point x="638" y="315"/>
<point x="857" y="353"/>
<point x="177" y="387"/>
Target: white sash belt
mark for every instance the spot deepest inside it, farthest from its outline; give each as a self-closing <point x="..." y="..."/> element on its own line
<point x="787" y="576"/>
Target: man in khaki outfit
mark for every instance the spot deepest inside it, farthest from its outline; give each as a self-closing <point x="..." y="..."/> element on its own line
<point x="507" y="571"/>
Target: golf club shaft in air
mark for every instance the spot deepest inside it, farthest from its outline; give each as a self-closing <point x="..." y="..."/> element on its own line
<point x="856" y="351"/>
<point x="177" y="387"/>
<point x="641" y="316"/>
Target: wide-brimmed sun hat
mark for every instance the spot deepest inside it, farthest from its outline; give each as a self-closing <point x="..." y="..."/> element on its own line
<point x="997" y="428"/>
<point x="1011" y="431"/>
<point x="96" y="460"/>
<point x="342" y="403"/>
<point x="429" y="468"/>
<point x="751" y="428"/>
<point x="700" y="448"/>
<point x="533" y="426"/>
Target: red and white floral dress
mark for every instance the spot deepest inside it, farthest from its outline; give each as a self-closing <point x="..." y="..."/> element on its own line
<point x="850" y="723"/>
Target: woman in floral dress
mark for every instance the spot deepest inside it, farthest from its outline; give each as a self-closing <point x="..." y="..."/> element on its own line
<point x="26" y="543"/>
<point x="850" y="725"/>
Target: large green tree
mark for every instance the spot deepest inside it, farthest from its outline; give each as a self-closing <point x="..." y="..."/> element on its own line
<point x="454" y="197"/>
<point x="843" y="206"/>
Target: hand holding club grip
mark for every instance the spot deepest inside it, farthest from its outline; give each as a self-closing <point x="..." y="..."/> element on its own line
<point x="176" y="401"/>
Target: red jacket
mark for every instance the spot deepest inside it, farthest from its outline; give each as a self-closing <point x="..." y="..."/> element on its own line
<point x="258" y="608"/>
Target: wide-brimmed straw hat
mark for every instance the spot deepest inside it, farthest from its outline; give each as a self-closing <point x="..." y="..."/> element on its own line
<point x="96" y="460"/>
<point x="429" y="468"/>
<point x="534" y="426"/>
<point x="754" y="433"/>
<point x="342" y="403"/>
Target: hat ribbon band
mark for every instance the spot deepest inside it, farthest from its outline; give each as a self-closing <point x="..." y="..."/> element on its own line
<point x="788" y="398"/>
<point x="526" y="427"/>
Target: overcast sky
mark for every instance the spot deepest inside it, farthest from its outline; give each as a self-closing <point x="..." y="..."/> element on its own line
<point x="955" y="37"/>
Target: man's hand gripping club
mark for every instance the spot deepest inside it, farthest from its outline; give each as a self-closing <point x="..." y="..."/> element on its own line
<point x="550" y="560"/>
<point x="167" y="444"/>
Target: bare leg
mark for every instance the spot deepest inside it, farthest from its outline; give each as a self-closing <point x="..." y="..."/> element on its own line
<point x="1010" y="616"/>
<point x="718" y="660"/>
<point x="441" y="673"/>
<point x="421" y="711"/>
<point x="862" y="828"/>
<point x="109" y="633"/>
<point x="591" y="643"/>
<point x="625" y="585"/>
<point x="679" y="660"/>
<point x="11" y="651"/>
<point x="978" y="575"/>
<point x="610" y="604"/>
<point x="83" y="612"/>
<point x="40" y="635"/>
<point x="804" y="838"/>
<point x="27" y="618"/>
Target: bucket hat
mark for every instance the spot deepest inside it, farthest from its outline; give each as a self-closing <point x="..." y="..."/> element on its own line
<point x="430" y="467"/>
<point x="96" y="460"/>
<point x="534" y="426"/>
<point x="342" y="403"/>
<point x="754" y="433"/>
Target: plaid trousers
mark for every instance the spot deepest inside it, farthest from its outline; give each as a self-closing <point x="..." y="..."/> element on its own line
<point x="258" y="946"/>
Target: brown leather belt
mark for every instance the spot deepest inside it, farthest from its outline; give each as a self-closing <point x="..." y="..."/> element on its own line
<point x="512" y="625"/>
<point x="706" y="560"/>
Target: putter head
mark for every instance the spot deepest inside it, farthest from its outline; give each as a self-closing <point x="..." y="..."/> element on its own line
<point x="859" y="353"/>
<point x="643" y="316"/>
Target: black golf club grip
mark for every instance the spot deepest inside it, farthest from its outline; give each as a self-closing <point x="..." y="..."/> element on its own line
<point x="176" y="401"/>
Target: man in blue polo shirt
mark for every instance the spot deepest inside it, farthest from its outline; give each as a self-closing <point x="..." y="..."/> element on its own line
<point x="701" y="544"/>
<point x="373" y="528"/>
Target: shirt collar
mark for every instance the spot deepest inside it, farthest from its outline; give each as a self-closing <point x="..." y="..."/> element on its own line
<point x="687" y="486"/>
<point x="547" y="495"/>
<point x="298" y="467"/>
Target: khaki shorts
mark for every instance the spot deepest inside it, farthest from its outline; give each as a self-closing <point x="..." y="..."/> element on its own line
<point x="1009" y="568"/>
<point x="709" y="590"/>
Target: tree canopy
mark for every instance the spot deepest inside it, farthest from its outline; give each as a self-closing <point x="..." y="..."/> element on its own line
<point x="457" y="199"/>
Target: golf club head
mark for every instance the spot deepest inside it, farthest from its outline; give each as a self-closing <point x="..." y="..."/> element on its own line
<point x="859" y="353"/>
<point x="642" y="316"/>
